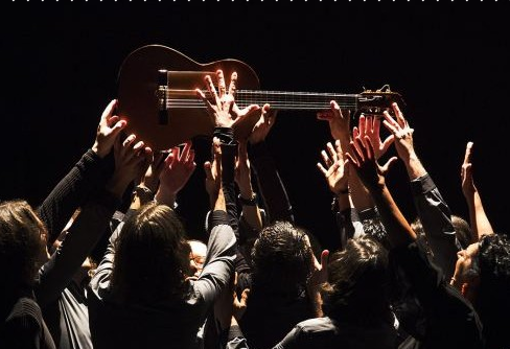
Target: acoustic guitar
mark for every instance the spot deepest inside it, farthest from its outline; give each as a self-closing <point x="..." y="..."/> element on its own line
<point x="156" y="94"/>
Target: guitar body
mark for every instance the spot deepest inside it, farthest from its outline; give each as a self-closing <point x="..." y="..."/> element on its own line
<point x="140" y="104"/>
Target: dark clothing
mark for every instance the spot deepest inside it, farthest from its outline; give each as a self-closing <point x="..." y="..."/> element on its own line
<point x="88" y="174"/>
<point x="269" y="316"/>
<point x="172" y="323"/>
<point x="450" y="320"/>
<point x="270" y="184"/>
<point x="435" y="217"/>
<point x="62" y="301"/>
<point x="325" y="333"/>
<point x="24" y="327"/>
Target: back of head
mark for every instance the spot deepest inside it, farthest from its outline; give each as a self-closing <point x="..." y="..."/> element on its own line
<point x="151" y="257"/>
<point x="22" y="236"/>
<point x="462" y="231"/>
<point x="493" y="301"/>
<point x="359" y="282"/>
<point x="282" y="259"/>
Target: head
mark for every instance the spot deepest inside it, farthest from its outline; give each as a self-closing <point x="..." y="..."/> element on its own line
<point x="482" y="274"/>
<point x="358" y="280"/>
<point x="22" y="244"/>
<point x="462" y="231"/>
<point x="282" y="258"/>
<point x="151" y="257"/>
<point x="197" y="257"/>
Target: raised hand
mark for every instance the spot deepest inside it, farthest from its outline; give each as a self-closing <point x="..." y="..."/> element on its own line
<point x="264" y="125"/>
<point x="468" y="183"/>
<point x="402" y="133"/>
<point x="176" y="172"/>
<point x="213" y="172"/>
<point x="338" y="121"/>
<point x="108" y="130"/>
<point x="370" y="126"/>
<point x="131" y="158"/>
<point x="336" y="170"/>
<point x="362" y="157"/>
<point x="223" y="110"/>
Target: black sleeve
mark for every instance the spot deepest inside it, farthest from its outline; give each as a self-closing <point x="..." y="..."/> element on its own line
<point x="270" y="184"/>
<point x="345" y="227"/>
<point x="89" y="173"/>
<point x="92" y="222"/>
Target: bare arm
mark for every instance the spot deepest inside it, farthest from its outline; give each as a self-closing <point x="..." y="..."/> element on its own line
<point x="479" y="222"/>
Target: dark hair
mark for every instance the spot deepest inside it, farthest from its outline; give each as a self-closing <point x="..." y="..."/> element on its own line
<point x="359" y="282"/>
<point x="151" y="258"/>
<point x="282" y="259"/>
<point x="493" y="302"/>
<point x="462" y="231"/>
<point x="21" y="244"/>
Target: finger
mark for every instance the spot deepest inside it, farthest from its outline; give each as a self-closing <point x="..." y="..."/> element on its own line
<point x="362" y="125"/>
<point x="369" y="148"/>
<point x="355" y="132"/>
<point x="358" y="146"/>
<point x="335" y="107"/>
<point x="112" y="120"/>
<point x="222" y="87"/>
<point x="400" y="116"/>
<point x="130" y="139"/>
<point x="208" y="171"/>
<point x="389" y="119"/>
<point x="388" y="165"/>
<point x="119" y="126"/>
<point x="469" y="153"/>
<point x="351" y="159"/>
<point x="233" y="82"/>
<point x="212" y="89"/>
<point x="191" y="158"/>
<point x="325" y="115"/>
<point x="387" y="143"/>
<point x="324" y="259"/>
<point x="186" y="152"/>
<point x="390" y="127"/>
<point x="339" y="151"/>
<point x="202" y="95"/>
<point x="244" y="296"/>
<point x="326" y="158"/>
<point x="108" y="111"/>
<point x="332" y="152"/>
<point x="322" y="169"/>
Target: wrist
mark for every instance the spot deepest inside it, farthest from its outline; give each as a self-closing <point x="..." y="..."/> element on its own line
<point x="143" y="192"/>
<point x="248" y="200"/>
<point x="98" y="151"/>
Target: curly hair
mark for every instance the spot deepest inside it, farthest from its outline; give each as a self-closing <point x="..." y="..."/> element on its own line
<point x="282" y="258"/>
<point x="359" y="282"/>
<point x="22" y="236"/>
<point x="493" y="302"/>
<point x="151" y="258"/>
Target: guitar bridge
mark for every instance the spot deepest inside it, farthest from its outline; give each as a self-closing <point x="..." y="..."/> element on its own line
<point x="161" y="94"/>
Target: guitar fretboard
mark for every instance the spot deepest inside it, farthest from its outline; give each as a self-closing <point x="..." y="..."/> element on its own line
<point x="277" y="99"/>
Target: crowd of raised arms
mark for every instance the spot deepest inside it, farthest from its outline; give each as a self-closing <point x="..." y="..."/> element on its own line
<point x="77" y="272"/>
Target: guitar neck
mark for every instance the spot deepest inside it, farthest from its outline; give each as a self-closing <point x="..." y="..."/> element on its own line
<point x="296" y="100"/>
<point x="187" y="99"/>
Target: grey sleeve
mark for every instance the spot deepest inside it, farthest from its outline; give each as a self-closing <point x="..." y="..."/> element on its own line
<point x="292" y="340"/>
<point x="219" y="263"/>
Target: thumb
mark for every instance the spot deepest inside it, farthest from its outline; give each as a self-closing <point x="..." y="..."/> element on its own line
<point x="244" y="296"/>
<point x="208" y="170"/>
<point x="389" y="163"/>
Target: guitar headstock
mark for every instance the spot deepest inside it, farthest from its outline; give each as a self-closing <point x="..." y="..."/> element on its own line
<point x="374" y="102"/>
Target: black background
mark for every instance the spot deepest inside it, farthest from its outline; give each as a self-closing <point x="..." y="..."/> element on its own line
<point x="448" y="59"/>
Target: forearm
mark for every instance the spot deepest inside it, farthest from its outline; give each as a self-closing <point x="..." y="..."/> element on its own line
<point x="89" y="173"/>
<point x="479" y="222"/>
<point x="83" y="235"/>
<point x="414" y="167"/>
<point x="399" y="231"/>
<point x="270" y="185"/>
